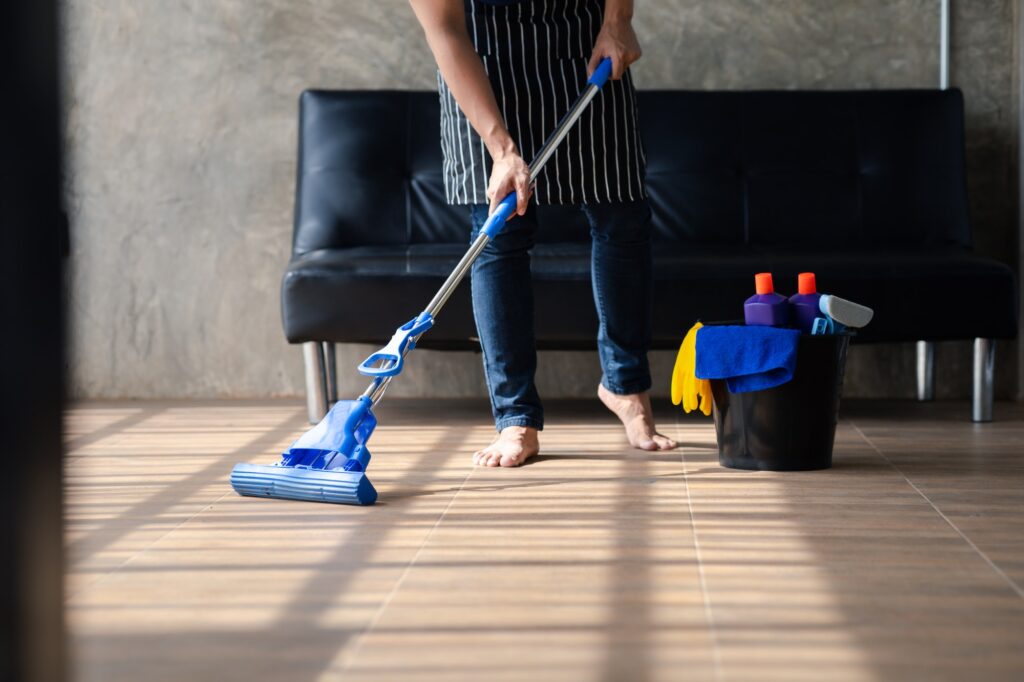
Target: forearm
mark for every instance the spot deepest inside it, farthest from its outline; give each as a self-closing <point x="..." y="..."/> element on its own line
<point x="464" y="73"/>
<point x="618" y="11"/>
<point x="444" y="24"/>
<point x="616" y="39"/>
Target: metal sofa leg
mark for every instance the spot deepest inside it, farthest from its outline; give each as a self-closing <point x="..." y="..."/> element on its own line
<point x="925" y="370"/>
<point x="984" y="380"/>
<point x="332" y="373"/>
<point x="316" y="380"/>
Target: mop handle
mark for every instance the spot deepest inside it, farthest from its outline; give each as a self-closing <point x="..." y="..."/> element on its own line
<point x="506" y="207"/>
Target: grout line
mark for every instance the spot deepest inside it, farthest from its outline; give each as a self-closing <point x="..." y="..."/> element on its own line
<point x="349" y="657"/>
<point x="716" y="656"/>
<point x="1009" y="581"/>
<point x="114" y="428"/>
<point x="117" y="569"/>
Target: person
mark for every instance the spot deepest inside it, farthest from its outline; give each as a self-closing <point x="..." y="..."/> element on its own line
<point x="507" y="71"/>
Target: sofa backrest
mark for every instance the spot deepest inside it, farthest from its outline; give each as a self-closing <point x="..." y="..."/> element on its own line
<point x="877" y="168"/>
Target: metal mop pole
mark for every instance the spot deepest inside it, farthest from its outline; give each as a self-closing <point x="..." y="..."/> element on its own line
<point x="496" y="221"/>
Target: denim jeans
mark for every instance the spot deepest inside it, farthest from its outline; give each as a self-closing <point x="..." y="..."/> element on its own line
<point x="623" y="284"/>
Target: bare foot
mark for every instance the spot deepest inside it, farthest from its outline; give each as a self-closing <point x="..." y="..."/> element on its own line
<point x="635" y="413"/>
<point x="513" y="446"/>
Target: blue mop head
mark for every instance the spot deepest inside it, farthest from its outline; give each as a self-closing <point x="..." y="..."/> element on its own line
<point x="326" y="464"/>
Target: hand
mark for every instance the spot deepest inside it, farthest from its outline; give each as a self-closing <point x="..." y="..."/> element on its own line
<point x="509" y="173"/>
<point x="618" y="41"/>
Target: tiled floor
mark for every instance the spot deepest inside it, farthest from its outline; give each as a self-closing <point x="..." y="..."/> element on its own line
<point x="904" y="561"/>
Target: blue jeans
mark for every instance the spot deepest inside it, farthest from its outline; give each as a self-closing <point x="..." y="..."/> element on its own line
<point x="623" y="283"/>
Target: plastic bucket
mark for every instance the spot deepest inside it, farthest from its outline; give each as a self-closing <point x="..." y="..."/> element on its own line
<point x="791" y="427"/>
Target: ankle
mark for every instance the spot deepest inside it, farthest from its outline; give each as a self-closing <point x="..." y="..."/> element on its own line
<point x="605" y="393"/>
<point x="518" y="432"/>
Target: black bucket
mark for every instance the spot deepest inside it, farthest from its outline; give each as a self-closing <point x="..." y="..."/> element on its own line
<point x="791" y="427"/>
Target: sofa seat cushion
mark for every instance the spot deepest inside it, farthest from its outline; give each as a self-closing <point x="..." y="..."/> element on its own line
<point x="361" y="294"/>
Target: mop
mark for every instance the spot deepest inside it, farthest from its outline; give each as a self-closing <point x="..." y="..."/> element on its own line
<point x="328" y="463"/>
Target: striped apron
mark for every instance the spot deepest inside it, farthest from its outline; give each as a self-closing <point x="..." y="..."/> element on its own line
<point x="535" y="53"/>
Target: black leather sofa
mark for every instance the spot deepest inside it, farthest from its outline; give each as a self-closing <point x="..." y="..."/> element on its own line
<point x="867" y="189"/>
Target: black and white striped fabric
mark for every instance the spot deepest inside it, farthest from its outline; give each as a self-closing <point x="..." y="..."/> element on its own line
<point x="535" y="53"/>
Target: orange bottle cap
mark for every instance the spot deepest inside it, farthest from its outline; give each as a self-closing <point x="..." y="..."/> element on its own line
<point x="763" y="283"/>
<point x="805" y="283"/>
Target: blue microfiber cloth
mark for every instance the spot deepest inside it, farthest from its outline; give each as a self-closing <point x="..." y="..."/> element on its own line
<point x="750" y="358"/>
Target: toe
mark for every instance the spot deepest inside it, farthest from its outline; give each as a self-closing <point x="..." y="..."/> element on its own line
<point x="483" y="458"/>
<point x="646" y="445"/>
<point x="510" y="460"/>
<point x="493" y="459"/>
<point x="663" y="442"/>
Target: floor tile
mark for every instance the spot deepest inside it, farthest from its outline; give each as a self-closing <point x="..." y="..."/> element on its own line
<point x="594" y="562"/>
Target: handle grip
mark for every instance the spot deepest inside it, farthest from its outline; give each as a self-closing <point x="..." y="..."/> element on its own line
<point x="507" y="206"/>
<point x="391" y="356"/>
<point x="496" y="220"/>
<point x="602" y="73"/>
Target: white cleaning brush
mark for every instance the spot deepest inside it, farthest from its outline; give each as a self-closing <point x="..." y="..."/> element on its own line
<point x="845" y="312"/>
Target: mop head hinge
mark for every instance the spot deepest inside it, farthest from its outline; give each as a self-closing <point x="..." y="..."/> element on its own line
<point x="388" y="361"/>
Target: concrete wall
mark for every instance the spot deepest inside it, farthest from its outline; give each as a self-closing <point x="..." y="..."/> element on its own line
<point x="181" y="130"/>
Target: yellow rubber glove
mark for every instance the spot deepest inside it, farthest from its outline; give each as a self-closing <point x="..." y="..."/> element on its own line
<point x="704" y="393"/>
<point x="686" y="387"/>
<point x="682" y="373"/>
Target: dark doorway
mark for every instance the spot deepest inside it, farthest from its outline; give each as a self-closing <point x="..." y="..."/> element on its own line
<point x="33" y="240"/>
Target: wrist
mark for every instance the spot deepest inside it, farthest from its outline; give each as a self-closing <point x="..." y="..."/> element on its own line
<point x="501" y="146"/>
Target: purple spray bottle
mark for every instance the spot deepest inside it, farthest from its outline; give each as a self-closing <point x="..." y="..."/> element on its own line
<point x="804" y="303"/>
<point x="766" y="307"/>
